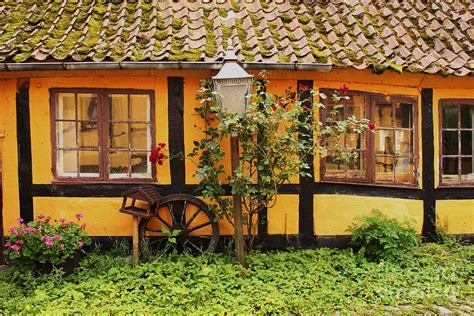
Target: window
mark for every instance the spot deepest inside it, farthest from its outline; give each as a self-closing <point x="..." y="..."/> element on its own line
<point x="457" y="142"/>
<point x="102" y="134"/>
<point x="386" y="156"/>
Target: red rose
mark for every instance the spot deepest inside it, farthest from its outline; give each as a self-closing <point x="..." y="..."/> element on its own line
<point x="153" y="155"/>
<point x="344" y="88"/>
<point x="160" y="162"/>
<point x="371" y="125"/>
<point x="274" y="108"/>
<point x="293" y="95"/>
<point x="302" y="87"/>
<point x="162" y="145"/>
<point x="161" y="156"/>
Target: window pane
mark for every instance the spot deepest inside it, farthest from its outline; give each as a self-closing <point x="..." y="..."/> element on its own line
<point x="140" y="107"/>
<point x="335" y="167"/>
<point x="384" y="169"/>
<point x="384" y="142"/>
<point x="467" y="167"/>
<point x="383" y="115"/>
<point x="450" y="170"/>
<point x="404" y="170"/>
<point x="450" y="143"/>
<point x="467" y="115"/>
<point x="88" y="134"/>
<point x="403" y="139"/>
<point x="140" y="138"/>
<point x="335" y="141"/>
<point x="65" y="106"/>
<point x="118" y="107"/>
<point x="119" y="164"/>
<point x="355" y="166"/>
<point x="87" y="106"/>
<point x="450" y="116"/>
<point x="66" y="134"/>
<point x="140" y="164"/>
<point x="119" y="136"/>
<point x="354" y="140"/>
<point x="67" y="163"/>
<point x="355" y="107"/>
<point x="403" y="115"/>
<point x="89" y="163"/>
<point x="466" y="142"/>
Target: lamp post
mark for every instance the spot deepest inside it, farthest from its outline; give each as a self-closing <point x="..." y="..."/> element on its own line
<point x="232" y="84"/>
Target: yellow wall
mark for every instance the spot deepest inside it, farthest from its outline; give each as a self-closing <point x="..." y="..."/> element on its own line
<point x="333" y="214"/>
<point x="11" y="205"/>
<point x="283" y="217"/>
<point x="101" y="215"/>
<point x="455" y="216"/>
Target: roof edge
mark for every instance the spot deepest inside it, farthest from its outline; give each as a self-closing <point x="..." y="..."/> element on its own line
<point x="148" y="65"/>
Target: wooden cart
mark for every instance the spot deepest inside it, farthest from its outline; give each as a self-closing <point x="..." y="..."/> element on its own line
<point x="179" y="221"/>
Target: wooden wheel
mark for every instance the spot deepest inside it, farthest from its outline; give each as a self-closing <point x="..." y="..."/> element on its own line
<point x="182" y="222"/>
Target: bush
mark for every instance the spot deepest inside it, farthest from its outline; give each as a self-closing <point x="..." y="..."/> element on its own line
<point x="378" y="237"/>
<point x="43" y="243"/>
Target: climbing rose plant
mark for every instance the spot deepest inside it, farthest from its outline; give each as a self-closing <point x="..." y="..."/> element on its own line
<point x="276" y="146"/>
<point x="45" y="241"/>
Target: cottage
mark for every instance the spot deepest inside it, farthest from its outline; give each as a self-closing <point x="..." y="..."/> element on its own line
<point x="87" y="88"/>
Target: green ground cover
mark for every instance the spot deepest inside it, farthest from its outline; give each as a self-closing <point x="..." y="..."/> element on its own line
<point x="300" y="282"/>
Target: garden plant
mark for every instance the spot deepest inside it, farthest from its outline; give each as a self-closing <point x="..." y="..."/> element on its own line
<point x="45" y="243"/>
<point x="278" y="136"/>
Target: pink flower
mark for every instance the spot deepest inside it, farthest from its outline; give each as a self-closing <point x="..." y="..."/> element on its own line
<point x="20" y="220"/>
<point x="29" y="229"/>
<point x="49" y="243"/>
<point x="79" y="216"/>
<point x="20" y="242"/>
<point x="15" y="248"/>
<point x="344" y="89"/>
<point x="61" y="246"/>
<point x="62" y="219"/>
<point x="371" y="125"/>
<point x="13" y="230"/>
<point x="40" y="216"/>
<point x="56" y="237"/>
<point x="80" y="244"/>
<point x="8" y="245"/>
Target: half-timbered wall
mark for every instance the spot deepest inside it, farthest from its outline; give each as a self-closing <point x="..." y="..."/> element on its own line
<point x="304" y="208"/>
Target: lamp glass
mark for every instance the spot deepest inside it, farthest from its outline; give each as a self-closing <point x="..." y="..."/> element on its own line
<point x="232" y="94"/>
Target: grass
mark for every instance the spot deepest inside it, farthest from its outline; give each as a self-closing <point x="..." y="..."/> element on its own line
<point x="297" y="282"/>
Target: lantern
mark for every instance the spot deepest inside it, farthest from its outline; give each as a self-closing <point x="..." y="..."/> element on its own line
<point x="232" y="84"/>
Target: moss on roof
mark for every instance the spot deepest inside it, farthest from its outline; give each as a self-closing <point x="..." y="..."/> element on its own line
<point x="317" y="32"/>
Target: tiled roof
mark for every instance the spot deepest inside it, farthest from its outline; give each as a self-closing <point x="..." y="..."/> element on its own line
<point x="417" y="36"/>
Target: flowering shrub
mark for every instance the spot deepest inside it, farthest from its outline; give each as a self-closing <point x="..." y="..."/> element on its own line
<point x="43" y="241"/>
<point x="278" y="137"/>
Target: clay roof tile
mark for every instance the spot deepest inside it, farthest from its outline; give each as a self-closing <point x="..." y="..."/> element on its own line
<point x="423" y="36"/>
